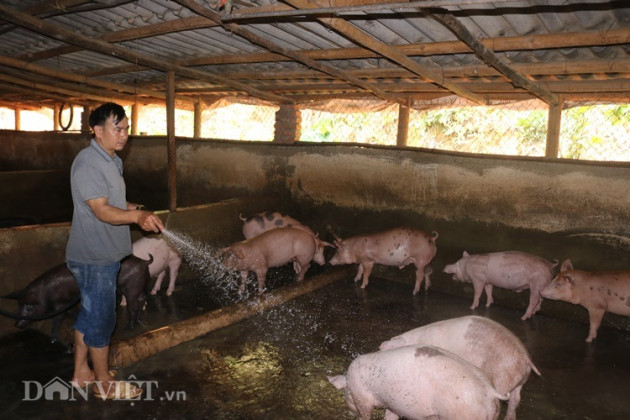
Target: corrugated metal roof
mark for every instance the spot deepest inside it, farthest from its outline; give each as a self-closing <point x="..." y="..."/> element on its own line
<point x="576" y="50"/>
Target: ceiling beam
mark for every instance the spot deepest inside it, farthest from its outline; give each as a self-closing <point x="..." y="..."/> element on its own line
<point x="490" y="58"/>
<point x="295" y="55"/>
<point x="58" y="32"/>
<point x="362" y="38"/>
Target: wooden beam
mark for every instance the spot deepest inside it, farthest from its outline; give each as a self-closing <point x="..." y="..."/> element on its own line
<point x="362" y="38"/>
<point x="161" y="28"/>
<point x="490" y="58"/>
<point x="284" y="51"/>
<point x="82" y="79"/>
<point x="59" y="32"/>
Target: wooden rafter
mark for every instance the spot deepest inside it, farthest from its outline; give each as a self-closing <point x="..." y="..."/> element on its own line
<point x="366" y="40"/>
<point x="284" y="51"/>
<point x="490" y="58"/>
<point x="58" y="32"/>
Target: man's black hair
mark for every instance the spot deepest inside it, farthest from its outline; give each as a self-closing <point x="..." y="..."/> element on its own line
<point x="103" y="112"/>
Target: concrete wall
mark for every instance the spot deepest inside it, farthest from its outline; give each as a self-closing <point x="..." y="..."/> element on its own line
<point x="554" y="208"/>
<point x="545" y="195"/>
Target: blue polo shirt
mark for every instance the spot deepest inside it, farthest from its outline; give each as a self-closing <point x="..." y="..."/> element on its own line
<point x="95" y="174"/>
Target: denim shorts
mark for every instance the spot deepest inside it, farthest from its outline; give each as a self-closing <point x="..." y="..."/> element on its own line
<point x="97" y="317"/>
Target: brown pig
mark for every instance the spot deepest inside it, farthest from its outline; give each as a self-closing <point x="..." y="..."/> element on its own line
<point x="272" y="248"/>
<point x="512" y="270"/>
<point x="598" y="292"/>
<point x="398" y="247"/>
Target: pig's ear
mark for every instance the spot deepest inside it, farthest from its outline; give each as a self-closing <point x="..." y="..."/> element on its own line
<point x="30" y="299"/>
<point x="338" y="244"/>
<point x="566" y="265"/>
<point x="16" y="295"/>
<point x="328" y="244"/>
<point x="465" y="254"/>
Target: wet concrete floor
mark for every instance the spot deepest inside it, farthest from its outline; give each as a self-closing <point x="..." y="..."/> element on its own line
<point x="274" y="365"/>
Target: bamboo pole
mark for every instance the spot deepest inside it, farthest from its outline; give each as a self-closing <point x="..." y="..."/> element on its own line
<point x="126" y="352"/>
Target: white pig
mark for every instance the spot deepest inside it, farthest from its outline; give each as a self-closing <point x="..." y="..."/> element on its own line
<point x="398" y="247"/>
<point x="485" y="343"/>
<point x="273" y="248"/>
<point x="512" y="270"/>
<point x="598" y="292"/>
<point x="264" y="221"/>
<point x="164" y="258"/>
<point x="418" y="382"/>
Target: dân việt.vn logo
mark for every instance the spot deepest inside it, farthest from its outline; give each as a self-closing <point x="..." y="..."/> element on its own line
<point x="60" y="390"/>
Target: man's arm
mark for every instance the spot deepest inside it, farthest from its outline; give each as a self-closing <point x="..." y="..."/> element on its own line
<point x="115" y="216"/>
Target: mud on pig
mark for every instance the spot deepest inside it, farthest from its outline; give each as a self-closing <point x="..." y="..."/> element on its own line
<point x="272" y="248"/>
<point x="394" y="247"/>
<point x="599" y="292"/>
<point x="511" y="270"/>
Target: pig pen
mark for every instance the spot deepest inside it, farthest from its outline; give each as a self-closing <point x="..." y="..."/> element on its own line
<point x="273" y="365"/>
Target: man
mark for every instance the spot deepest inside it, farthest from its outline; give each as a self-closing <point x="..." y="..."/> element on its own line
<point x="99" y="239"/>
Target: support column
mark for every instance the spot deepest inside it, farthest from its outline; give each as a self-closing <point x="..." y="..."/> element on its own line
<point x="135" y="112"/>
<point x="56" y="125"/>
<point x="553" y="130"/>
<point x="171" y="150"/>
<point x="198" y="113"/>
<point x="287" y="128"/>
<point x="18" y="121"/>
<point x="403" y="126"/>
<point x="85" y="119"/>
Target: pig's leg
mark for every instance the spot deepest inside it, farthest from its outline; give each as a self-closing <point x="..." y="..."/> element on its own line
<point x="359" y="273"/>
<point x="514" y="401"/>
<point x="172" y="276"/>
<point x="390" y="416"/>
<point x="488" y="289"/>
<point x="478" y="289"/>
<point x="595" y="316"/>
<point x="302" y="271"/>
<point x="56" y="324"/>
<point x="241" y="289"/>
<point x="419" y="277"/>
<point x="367" y="270"/>
<point x="261" y="276"/>
<point x="158" y="282"/>
<point x="534" y="304"/>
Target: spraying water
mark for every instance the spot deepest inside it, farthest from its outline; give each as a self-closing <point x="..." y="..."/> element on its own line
<point x="205" y="260"/>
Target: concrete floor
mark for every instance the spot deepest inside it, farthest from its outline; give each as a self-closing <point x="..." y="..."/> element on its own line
<point x="274" y="365"/>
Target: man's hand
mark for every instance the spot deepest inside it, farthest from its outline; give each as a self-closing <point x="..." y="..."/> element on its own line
<point x="149" y="221"/>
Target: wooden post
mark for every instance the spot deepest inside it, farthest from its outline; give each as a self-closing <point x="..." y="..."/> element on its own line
<point x="56" y="125"/>
<point x="553" y="130"/>
<point x="18" y="122"/>
<point x="403" y="126"/>
<point x="170" y="130"/>
<point x="135" y="110"/>
<point x="198" y="119"/>
<point x="85" y="119"/>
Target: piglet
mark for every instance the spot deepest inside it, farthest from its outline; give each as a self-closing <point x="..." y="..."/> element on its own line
<point x="273" y="248"/>
<point x="418" y="382"/>
<point x="165" y="258"/>
<point x="397" y="247"/>
<point x="485" y="343"/>
<point x="512" y="270"/>
<point x="599" y="292"/>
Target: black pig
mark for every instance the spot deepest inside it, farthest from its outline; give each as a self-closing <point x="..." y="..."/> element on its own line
<point x="54" y="292"/>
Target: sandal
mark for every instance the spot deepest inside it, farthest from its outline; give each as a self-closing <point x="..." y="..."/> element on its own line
<point x="119" y="390"/>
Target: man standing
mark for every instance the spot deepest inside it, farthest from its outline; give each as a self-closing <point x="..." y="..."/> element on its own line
<point x="99" y="239"/>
